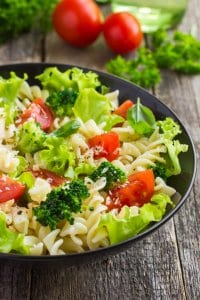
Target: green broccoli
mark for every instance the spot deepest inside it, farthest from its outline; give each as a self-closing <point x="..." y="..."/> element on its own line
<point x="62" y="102"/>
<point x="160" y="170"/>
<point x="61" y="203"/>
<point x="112" y="174"/>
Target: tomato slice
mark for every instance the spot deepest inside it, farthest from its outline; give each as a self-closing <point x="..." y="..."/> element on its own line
<point x="40" y="112"/>
<point x="10" y="189"/>
<point x="137" y="191"/>
<point x="105" y="145"/>
<point x="122" y="110"/>
<point x="53" y="178"/>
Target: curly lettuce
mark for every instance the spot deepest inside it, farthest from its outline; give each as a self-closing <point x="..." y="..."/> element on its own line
<point x="9" y="89"/>
<point x="120" y="229"/>
<point x="55" y="156"/>
<point x="169" y="130"/>
<point x="92" y="105"/>
<point x="11" y="241"/>
<point x="55" y="80"/>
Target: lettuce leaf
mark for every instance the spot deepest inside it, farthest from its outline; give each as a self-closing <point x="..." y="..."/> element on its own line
<point x="55" y="155"/>
<point x="21" y="167"/>
<point x="55" y="80"/>
<point x="9" y="89"/>
<point x="11" y="241"/>
<point x="169" y="130"/>
<point x="120" y="229"/>
<point x="92" y="105"/>
<point x="174" y="148"/>
<point x="28" y="180"/>
<point x="84" y="169"/>
<point x="89" y="104"/>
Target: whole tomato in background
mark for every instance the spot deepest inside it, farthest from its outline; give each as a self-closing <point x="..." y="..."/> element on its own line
<point x="78" y="22"/>
<point x="122" y="32"/>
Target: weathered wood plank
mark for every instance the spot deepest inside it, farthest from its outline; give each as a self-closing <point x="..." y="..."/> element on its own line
<point x="26" y="48"/>
<point x="151" y="268"/>
<point x="181" y="93"/>
<point x="95" y="56"/>
<point x="148" y="270"/>
<point x="15" y="279"/>
<point x="6" y="277"/>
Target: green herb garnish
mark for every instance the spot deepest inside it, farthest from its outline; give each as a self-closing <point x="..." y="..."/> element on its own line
<point x="141" y="118"/>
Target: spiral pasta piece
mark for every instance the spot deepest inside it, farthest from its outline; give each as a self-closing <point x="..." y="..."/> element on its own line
<point x="162" y="187"/>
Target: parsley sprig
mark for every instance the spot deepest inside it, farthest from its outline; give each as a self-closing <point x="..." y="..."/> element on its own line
<point x="142" y="69"/>
<point x="179" y="52"/>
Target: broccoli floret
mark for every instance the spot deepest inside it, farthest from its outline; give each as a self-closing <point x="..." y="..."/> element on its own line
<point x="160" y="170"/>
<point x="112" y="174"/>
<point x="62" y="102"/>
<point x="61" y="203"/>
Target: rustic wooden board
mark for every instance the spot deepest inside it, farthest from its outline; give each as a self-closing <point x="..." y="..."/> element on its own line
<point x="181" y="93"/>
<point x="26" y="48"/>
<point x="149" y="270"/>
<point x="164" y="265"/>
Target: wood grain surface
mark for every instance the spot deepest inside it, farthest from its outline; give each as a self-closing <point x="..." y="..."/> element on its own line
<point x="165" y="265"/>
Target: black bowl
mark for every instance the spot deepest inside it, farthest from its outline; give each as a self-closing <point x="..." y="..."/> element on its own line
<point x="182" y="183"/>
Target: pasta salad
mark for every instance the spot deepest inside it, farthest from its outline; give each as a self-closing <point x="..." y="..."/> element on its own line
<point x="78" y="171"/>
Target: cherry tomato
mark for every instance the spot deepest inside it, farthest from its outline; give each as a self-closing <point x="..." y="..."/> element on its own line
<point x="78" y="22"/>
<point x="122" y="32"/>
<point x="10" y="189"/>
<point x="40" y="112"/>
<point x="122" y="110"/>
<point x="53" y="178"/>
<point x="136" y="191"/>
<point x="105" y="145"/>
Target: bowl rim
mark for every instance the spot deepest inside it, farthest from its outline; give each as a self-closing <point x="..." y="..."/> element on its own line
<point x="125" y="243"/>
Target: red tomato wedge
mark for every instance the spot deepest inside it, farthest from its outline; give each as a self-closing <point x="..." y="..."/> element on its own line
<point x="40" y="112"/>
<point x="137" y="191"/>
<point x="105" y="145"/>
<point x="10" y="189"/>
<point x="53" y="178"/>
<point x="122" y="110"/>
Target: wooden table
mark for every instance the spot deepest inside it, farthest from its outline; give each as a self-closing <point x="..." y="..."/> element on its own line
<point x="165" y="265"/>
